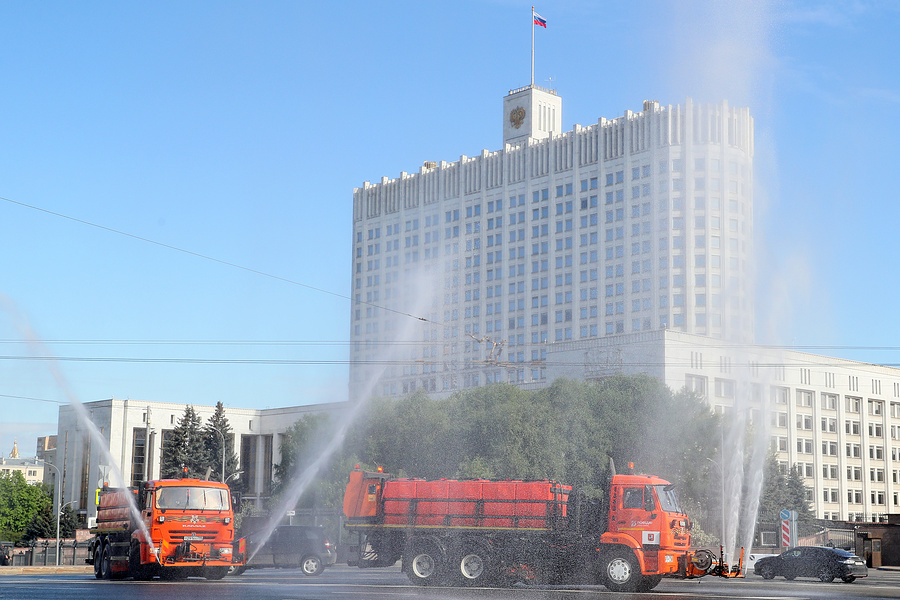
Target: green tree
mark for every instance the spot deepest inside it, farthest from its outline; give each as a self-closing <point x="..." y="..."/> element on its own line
<point x="186" y="448"/>
<point x="19" y="502"/>
<point x="43" y="524"/>
<point x="212" y="440"/>
<point x="783" y="491"/>
<point x="301" y="447"/>
<point x="68" y="522"/>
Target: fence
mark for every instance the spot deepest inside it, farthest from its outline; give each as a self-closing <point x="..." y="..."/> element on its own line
<point x="43" y="554"/>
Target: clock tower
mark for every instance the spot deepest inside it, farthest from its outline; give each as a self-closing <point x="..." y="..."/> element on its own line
<point x="531" y="112"/>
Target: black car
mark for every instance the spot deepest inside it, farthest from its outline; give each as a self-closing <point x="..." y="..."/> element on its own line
<point x="821" y="562"/>
<point x="289" y="546"/>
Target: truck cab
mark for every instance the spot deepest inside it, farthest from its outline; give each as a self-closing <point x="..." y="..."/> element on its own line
<point x="644" y="515"/>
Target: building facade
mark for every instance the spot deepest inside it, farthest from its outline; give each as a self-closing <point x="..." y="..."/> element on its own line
<point x="838" y="420"/>
<point x="134" y="435"/>
<point x="31" y="469"/>
<point x="464" y="272"/>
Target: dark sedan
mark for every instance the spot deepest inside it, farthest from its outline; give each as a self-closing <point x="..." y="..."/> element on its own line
<point x="290" y="546"/>
<point x="821" y="562"/>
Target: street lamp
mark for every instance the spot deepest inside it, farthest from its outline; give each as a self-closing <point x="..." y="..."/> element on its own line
<point x="58" y="500"/>
<point x="223" y="454"/>
<point x="59" y="512"/>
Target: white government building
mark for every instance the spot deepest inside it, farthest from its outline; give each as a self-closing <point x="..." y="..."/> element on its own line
<point x="638" y="223"/>
<point x="621" y="247"/>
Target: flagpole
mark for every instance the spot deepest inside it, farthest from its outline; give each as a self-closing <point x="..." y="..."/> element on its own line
<point x="532" y="46"/>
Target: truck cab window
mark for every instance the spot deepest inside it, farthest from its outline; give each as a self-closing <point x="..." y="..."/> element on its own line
<point x="633" y="498"/>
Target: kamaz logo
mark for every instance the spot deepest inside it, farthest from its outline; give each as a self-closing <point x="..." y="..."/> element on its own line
<point x="195" y="518"/>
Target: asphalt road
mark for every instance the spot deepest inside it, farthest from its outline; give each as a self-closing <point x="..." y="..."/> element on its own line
<point x="345" y="583"/>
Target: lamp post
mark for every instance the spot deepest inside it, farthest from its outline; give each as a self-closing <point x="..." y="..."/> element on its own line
<point x="223" y="454"/>
<point x="58" y="500"/>
<point x="58" y="513"/>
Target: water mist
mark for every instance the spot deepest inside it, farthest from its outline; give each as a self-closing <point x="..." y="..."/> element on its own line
<point x="38" y="348"/>
<point x="422" y="294"/>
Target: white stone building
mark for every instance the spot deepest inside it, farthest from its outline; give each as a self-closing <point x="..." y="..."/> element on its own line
<point x="465" y="271"/>
<point x="30" y="468"/>
<point x="838" y="420"/>
<point x="135" y="432"/>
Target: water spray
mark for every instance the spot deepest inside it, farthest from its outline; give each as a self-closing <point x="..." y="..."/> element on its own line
<point x="97" y="438"/>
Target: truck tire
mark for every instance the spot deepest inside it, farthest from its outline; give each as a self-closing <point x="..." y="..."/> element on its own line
<point x="105" y="563"/>
<point x="236" y="570"/>
<point x="648" y="582"/>
<point x="312" y="565"/>
<point x="476" y="566"/>
<point x="214" y="573"/>
<point x="424" y="563"/>
<point x="98" y="559"/>
<point x="174" y="573"/>
<point x="138" y="571"/>
<point x="621" y="572"/>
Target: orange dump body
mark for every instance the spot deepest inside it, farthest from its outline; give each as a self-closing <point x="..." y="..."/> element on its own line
<point x="375" y="499"/>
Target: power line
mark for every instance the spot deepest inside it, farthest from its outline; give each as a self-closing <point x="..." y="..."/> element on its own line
<point x="139" y="342"/>
<point x="34" y="399"/>
<point x="393" y="362"/>
<point x="216" y="260"/>
<point x="214" y="342"/>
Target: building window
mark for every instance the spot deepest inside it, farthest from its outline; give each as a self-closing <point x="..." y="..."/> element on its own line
<point x="138" y="455"/>
<point x="724" y="388"/>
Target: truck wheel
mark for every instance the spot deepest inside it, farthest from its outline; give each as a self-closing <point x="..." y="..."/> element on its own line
<point x="476" y="566"/>
<point x="621" y="572"/>
<point x="236" y="570"/>
<point x="312" y="565"/>
<point x="214" y="573"/>
<point x="648" y="582"/>
<point x="98" y="558"/>
<point x="105" y="563"/>
<point x="423" y="564"/>
<point x="138" y="571"/>
<point x="174" y="573"/>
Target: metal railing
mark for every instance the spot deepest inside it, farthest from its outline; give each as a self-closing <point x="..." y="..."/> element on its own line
<point x="43" y="554"/>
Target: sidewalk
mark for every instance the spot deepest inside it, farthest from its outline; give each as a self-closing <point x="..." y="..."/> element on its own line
<point x="50" y="570"/>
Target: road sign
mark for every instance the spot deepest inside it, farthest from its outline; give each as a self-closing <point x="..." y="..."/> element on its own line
<point x="290" y="513"/>
<point x="788" y="528"/>
<point x="104" y="475"/>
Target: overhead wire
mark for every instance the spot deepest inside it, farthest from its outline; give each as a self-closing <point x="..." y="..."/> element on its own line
<point x="215" y="260"/>
<point x="369" y="343"/>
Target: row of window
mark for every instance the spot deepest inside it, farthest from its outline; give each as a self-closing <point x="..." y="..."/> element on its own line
<point x="829" y="448"/>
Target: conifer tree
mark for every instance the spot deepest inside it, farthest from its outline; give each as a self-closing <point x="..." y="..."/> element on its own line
<point x="216" y="424"/>
<point x="186" y="448"/>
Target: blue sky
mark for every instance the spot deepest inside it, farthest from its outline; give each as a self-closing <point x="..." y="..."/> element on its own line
<point x="237" y="132"/>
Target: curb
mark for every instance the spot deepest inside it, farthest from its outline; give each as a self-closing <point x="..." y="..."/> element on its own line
<point x="34" y="570"/>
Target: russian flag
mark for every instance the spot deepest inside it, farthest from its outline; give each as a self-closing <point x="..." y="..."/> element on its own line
<point x="539" y="20"/>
